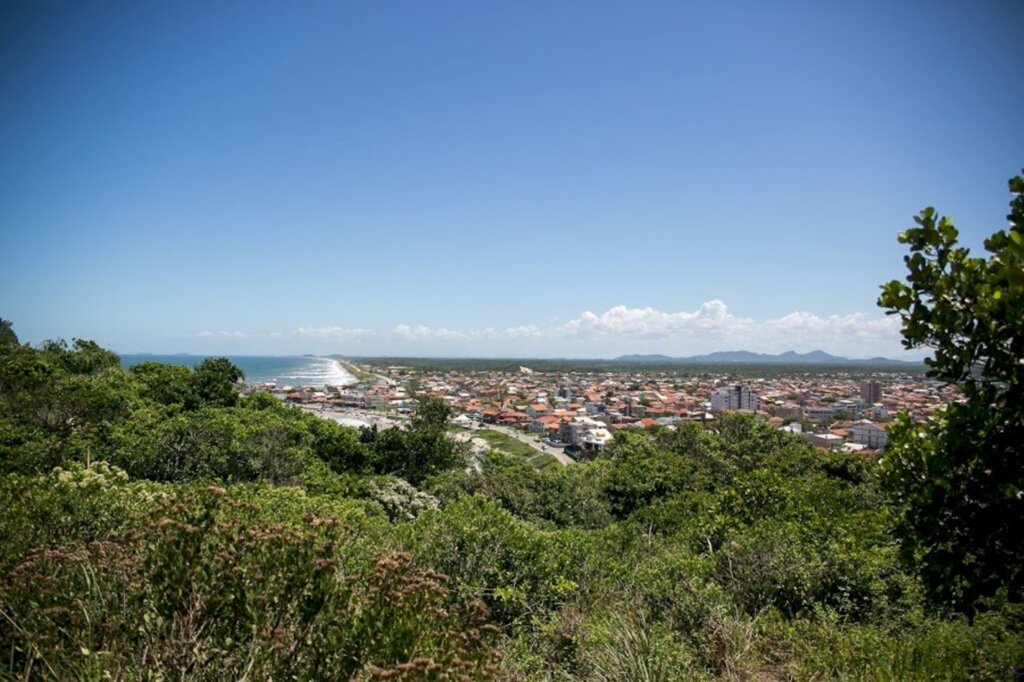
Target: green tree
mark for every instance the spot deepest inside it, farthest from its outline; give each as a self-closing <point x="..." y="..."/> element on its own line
<point x="213" y="443"/>
<point x="166" y="384"/>
<point x="214" y="382"/>
<point x="7" y="336"/>
<point x="58" y="403"/>
<point x="641" y="473"/>
<point x="81" y="357"/>
<point x="415" y="454"/>
<point x="957" y="482"/>
<point x="431" y="413"/>
<point x="425" y="449"/>
<point x="337" y="445"/>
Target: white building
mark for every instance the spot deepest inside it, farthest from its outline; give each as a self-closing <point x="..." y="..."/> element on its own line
<point x="572" y="432"/>
<point x="464" y="421"/>
<point x="594" y="440"/>
<point x="820" y="413"/>
<point x="737" y="397"/>
<point x="829" y="441"/>
<point x="869" y="434"/>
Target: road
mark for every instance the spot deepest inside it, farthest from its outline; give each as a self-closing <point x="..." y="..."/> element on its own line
<point x="355" y="370"/>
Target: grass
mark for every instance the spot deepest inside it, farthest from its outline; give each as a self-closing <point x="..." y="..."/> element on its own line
<point x="509" y="445"/>
<point x="505" y="443"/>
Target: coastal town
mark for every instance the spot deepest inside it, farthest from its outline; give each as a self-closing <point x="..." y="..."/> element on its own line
<point x="573" y="415"/>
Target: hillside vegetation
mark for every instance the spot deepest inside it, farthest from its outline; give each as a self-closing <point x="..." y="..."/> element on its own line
<point x="159" y="525"/>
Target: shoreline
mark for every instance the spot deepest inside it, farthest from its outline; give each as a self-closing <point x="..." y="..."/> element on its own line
<point x="360" y="375"/>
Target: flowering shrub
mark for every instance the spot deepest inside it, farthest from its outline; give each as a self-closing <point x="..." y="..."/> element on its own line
<point x="401" y="500"/>
<point x="190" y="595"/>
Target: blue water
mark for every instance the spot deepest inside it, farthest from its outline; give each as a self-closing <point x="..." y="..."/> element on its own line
<point x="260" y="369"/>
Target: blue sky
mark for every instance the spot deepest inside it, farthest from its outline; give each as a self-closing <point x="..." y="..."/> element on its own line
<point x="575" y="179"/>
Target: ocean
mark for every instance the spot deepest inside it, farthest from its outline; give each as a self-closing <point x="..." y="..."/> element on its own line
<point x="302" y="370"/>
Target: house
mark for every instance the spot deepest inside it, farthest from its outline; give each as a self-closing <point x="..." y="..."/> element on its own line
<point x="594" y="440"/>
<point x="572" y="431"/>
<point x="537" y="410"/>
<point x="541" y="424"/>
<point x="828" y="441"/>
<point x="463" y="421"/>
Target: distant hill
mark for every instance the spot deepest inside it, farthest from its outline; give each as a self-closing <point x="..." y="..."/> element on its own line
<point x="815" y="357"/>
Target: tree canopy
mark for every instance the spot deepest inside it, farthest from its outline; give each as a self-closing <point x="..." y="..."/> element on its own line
<point x="957" y="482"/>
<point x="7" y="335"/>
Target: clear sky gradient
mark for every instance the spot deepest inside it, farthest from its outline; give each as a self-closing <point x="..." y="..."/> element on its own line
<point x="529" y="179"/>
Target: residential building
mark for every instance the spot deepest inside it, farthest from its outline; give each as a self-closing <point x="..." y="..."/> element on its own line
<point x="870" y="392"/>
<point x="870" y="434"/>
<point x="828" y="441"/>
<point x="736" y="397"/>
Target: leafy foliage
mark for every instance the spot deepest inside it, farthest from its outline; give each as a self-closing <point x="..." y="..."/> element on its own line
<point x="7" y="336"/>
<point x="195" y="594"/>
<point x="414" y="454"/>
<point x="214" y="382"/>
<point x="957" y="482"/>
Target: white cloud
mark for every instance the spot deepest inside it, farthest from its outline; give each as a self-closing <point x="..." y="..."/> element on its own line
<point x="619" y="329"/>
<point x="708" y="328"/>
<point x="409" y="333"/>
<point x="651" y="323"/>
<point x="332" y="332"/>
<point x="223" y="334"/>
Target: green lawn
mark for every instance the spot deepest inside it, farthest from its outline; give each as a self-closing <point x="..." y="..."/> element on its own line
<point x="507" y="444"/>
<point x="500" y="441"/>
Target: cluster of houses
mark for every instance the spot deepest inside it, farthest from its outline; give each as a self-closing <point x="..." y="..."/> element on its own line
<point x="581" y="411"/>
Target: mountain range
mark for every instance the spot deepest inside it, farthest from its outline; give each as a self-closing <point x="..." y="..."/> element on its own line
<point x="815" y="357"/>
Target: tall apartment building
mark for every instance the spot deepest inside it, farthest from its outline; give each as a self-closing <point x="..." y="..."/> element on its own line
<point x="736" y="397"/>
<point x="870" y="392"/>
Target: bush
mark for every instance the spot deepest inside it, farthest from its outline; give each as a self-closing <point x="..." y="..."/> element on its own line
<point x="200" y="593"/>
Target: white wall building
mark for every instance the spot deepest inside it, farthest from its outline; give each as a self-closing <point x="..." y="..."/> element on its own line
<point x="594" y="440"/>
<point x="829" y="441"/>
<point x="573" y="431"/>
<point x="870" y="434"/>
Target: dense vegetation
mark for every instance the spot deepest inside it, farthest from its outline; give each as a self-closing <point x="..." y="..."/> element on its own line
<point x="159" y="525"/>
